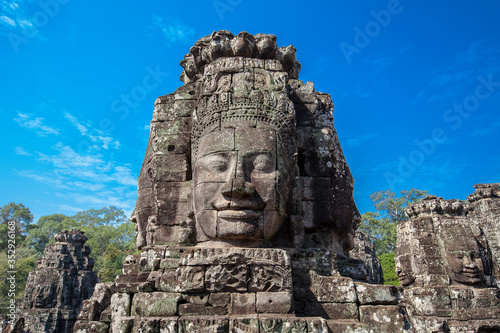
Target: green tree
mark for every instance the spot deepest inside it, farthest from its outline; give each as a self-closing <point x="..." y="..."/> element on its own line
<point x="111" y="239"/>
<point x="18" y="213"/>
<point x="14" y="252"/>
<point x="381" y="226"/>
<point x="389" y="269"/>
<point x="389" y="206"/>
<point x="41" y="234"/>
<point x="380" y="230"/>
<point x="25" y="261"/>
<point x="110" y="234"/>
<point x="21" y="218"/>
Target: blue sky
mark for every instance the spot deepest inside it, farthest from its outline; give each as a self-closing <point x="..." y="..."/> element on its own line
<point x="416" y="87"/>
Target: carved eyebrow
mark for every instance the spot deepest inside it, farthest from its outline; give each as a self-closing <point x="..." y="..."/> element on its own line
<point x="215" y="162"/>
<point x="217" y="156"/>
<point x="214" y="156"/>
<point x="262" y="151"/>
<point x="250" y="156"/>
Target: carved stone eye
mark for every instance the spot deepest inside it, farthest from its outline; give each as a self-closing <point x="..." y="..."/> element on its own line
<point x="217" y="164"/>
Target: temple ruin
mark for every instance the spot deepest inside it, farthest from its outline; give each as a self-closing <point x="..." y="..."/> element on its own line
<point x="447" y="262"/>
<point x="245" y="215"/>
<point x="245" y="218"/>
<point x="56" y="288"/>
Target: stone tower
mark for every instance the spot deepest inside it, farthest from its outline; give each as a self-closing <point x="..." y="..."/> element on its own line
<point x="447" y="263"/>
<point x="245" y="215"/>
<point x="56" y="288"/>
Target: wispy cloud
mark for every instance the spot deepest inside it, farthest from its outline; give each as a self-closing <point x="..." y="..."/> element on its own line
<point x="108" y="198"/>
<point x="172" y="30"/>
<point x="14" y="16"/>
<point x="7" y="20"/>
<point x="85" y="179"/>
<point x="378" y="63"/>
<point x="36" y="123"/>
<point x="86" y="186"/>
<point x="70" y="208"/>
<point x="358" y="140"/>
<point x="47" y="179"/>
<point x="91" y="167"/>
<point x="460" y="73"/>
<point x="482" y="130"/>
<point x="98" y="137"/>
<point x="21" y="151"/>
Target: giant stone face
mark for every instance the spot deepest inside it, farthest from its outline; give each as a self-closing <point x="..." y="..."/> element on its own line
<point x="464" y="264"/>
<point x="244" y="154"/>
<point x="239" y="191"/>
<point x="404" y="270"/>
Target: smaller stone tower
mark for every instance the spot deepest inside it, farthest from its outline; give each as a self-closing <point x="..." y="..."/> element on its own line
<point x="62" y="279"/>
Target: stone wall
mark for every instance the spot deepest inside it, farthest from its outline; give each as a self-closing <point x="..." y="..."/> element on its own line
<point x="185" y="289"/>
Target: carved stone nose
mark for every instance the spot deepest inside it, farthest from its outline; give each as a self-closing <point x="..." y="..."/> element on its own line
<point x="241" y="188"/>
<point x="238" y="188"/>
<point x="468" y="262"/>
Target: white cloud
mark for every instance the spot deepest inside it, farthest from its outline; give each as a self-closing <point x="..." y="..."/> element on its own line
<point x="486" y="129"/>
<point x="53" y="180"/>
<point x="94" y="134"/>
<point x="86" y="180"/>
<point x="21" y="151"/>
<point x="7" y="20"/>
<point x="69" y="159"/>
<point x="70" y="208"/>
<point x="358" y="140"/>
<point x="86" y="186"/>
<point x="91" y="167"/>
<point x="108" y="198"/>
<point x="29" y="121"/>
<point x="458" y="77"/>
<point x="83" y="130"/>
<point x="172" y="31"/>
<point x="15" y="16"/>
<point x="25" y="24"/>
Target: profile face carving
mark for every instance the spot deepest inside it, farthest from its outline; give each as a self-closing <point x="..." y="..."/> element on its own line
<point x="404" y="270"/>
<point x="238" y="190"/>
<point x="143" y="210"/>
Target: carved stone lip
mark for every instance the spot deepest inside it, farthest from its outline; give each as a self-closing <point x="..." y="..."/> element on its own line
<point x="471" y="274"/>
<point x="239" y="214"/>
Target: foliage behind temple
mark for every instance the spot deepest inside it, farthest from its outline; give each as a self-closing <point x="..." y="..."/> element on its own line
<point x="111" y="238"/>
